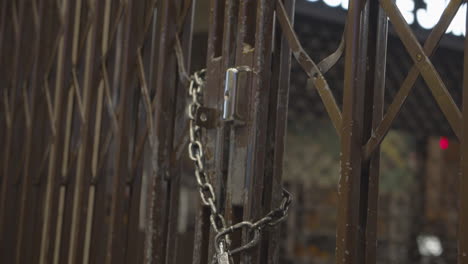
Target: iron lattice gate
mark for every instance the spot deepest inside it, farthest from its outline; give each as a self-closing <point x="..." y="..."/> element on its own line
<point x="94" y="129"/>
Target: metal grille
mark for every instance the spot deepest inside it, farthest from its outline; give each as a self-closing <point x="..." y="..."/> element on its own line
<point x="88" y="93"/>
<point x="94" y="126"/>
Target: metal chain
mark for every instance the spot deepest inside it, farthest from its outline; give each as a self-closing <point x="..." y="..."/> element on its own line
<point x="207" y="194"/>
<point x="196" y="152"/>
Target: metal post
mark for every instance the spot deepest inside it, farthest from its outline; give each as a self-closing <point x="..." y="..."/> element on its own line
<point x="373" y="113"/>
<point x="277" y="128"/>
<point x="259" y="40"/>
<point x="169" y="133"/>
<point x="350" y="247"/>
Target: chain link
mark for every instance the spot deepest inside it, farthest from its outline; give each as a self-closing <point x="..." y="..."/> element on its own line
<point x="196" y="152"/>
<point x="206" y="190"/>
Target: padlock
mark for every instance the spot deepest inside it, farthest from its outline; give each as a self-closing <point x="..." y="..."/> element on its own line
<point x="223" y="256"/>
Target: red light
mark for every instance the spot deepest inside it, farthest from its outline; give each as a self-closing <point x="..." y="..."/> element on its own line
<point x="443" y="142"/>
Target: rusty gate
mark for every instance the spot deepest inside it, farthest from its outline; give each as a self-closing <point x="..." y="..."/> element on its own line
<point x="101" y="117"/>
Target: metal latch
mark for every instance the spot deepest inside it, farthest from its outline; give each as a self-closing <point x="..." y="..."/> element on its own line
<point x="231" y="92"/>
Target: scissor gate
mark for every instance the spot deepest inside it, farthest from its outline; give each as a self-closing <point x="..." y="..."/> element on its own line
<point x="99" y="106"/>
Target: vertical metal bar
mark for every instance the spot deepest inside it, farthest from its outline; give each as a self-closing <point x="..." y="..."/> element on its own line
<point x="463" y="192"/>
<point x="179" y="123"/>
<point x="349" y="247"/>
<point x="213" y="138"/>
<point x="10" y="102"/>
<point x="77" y="224"/>
<point x="23" y="221"/>
<point x="64" y="173"/>
<point x="149" y="166"/>
<point x="133" y="234"/>
<point x="160" y="236"/>
<point x="230" y="179"/>
<point x="57" y="116"/>
<point x="277" y="127"/>
<point x="124" y="69"/>
<point x="97" y="137"/>
<point x="102" y="181"/>
<point x="255" y="178"/>
<point x="373" y="114"/>
<point x="236" y="190"/>
<point x="17" y="151"/>
<point x="29" y="238"/>
<point x="3" y="83"/>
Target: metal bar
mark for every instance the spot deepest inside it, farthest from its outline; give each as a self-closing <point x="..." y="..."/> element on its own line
<point x="64" y="173"/>
<point x="102" y="180"/>
<point x="429" y="47"/>
<point x="328" y="100"/>
<point x="349" y="247"/>
<point x="428" y="72"/>
<point x="72" y="164"/>
<point x="13" y="84"/>
<point x="463" y="191"/>
<point x="148" y="149"/>
<point x="57" y="117"/>
<point x="23" y="222"/>
<point x="18" y="153"/>
<point x="180" y="133"/>
<point x="148" y="166"/>
<point x="238" y="135"/>
<point x="256" y="148"/>
<point x="132" y="233"/>
<point x="277" y="127"/>
<point x="27" y="250"/>
<point x="116" y="249"/>
<point x="229" y="182"/>
<point x="97" y="137"/>
<point x="214" y="139"/>
<point x="228" y="193"/>
<point x="77" y="227"/>
<point x="134" y="239"/>
<point x="373" y="112"/>
<point x="163" y="175"/>
<point x="312" y="70"/>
